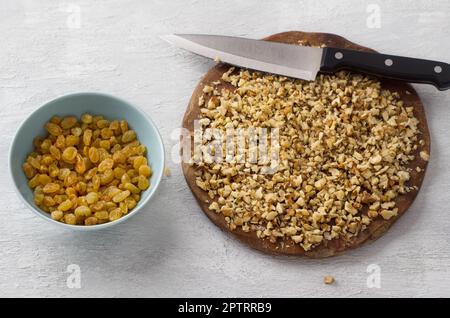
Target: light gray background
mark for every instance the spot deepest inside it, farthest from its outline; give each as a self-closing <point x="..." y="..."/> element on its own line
<point x="171" y="249"/>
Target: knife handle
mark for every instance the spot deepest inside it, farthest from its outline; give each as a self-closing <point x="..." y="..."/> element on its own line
<point x="391" y="66"/>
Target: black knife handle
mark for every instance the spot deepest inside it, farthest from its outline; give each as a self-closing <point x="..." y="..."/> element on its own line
<point x="391" y="66"/>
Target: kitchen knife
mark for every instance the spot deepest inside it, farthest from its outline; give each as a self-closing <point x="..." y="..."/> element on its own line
<point x="305" y="62"/>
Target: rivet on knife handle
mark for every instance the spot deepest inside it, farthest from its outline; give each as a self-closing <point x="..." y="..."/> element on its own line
<point x="391" y="66"/>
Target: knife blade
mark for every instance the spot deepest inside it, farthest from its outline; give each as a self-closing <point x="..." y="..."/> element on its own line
<point x="306" y="62"/>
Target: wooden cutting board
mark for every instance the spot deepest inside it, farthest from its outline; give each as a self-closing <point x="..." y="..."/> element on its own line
<point x="327" y="248"/>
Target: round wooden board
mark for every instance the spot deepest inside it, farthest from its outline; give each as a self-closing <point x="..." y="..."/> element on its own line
<point x="327" y="248"/>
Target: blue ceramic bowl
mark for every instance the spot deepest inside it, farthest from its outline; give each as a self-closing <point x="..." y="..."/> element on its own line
<point x="77" y="104"/>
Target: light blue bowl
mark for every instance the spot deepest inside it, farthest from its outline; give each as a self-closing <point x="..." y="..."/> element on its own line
<point x="78" y="104"/>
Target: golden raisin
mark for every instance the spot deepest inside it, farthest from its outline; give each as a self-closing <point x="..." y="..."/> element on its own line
<point x="69" y="154"/>
<point x="86" y="118"/>
<point x="70" y="219"/>
<point x="92" y="220"/>
<point x="46" y="160"/>
<point x="55" y="120"/>
<point x="118" y="172"/>
<point x="76" y="131"/>
<point x="132" y="173"/>
<point x="115" y="214"/>
<point x="131" y="187"/>
<point x="60" y="142"/>
<point x="143" y="183"/>
<point x="34" y="162"/>
<point x="140" y="150"/>
<point x="81" y="187"/>
<point x="119" y="197"/>
<point x="91" y="197"/>
<point x="107" y="177"/>
<point x="90" y="174"/>
<point x="114" y="125"/>
<point x="128" y="136"/>
<point x="110" y="192"/>
<point x="28" y="170"/>
<point x="105" y="144"/>
<point x="125" y="178"/>
<point x="44" y="179"/>
<point x="145" y="171"/>
<point x="105" y="165"/>
<point x="131" y="203"/>
<point x="82" y="173"/>
<point x="53" y="129"/>
<point x="120" y="156"/>
<point x="123" y="126"/>
<point x="57" y="215"/>
<point x="123" y="207"/>
<point x="102" y="123"/>
<point x="80" y="165"/>
<point x="70" y="191"/>
<point x="68" y="122"/>
<point x="66" y="205"/>
<point x="56" y="153"/>
<point x="33" y="182"/>
<point x="38" y="198"/>
<point x="72" y="140"/>
<point x="63" y="173"/>
<point x="48" y="201"/>
<point x="45" y="145"/>
<point x="106" y="133"/>
<point x="94" y="155"/>
<point x="102" y="215"/>
<point x="82" y="211"/>
<point x="139" y="161"/>
<point x="71" y="179"/>
<point x="96" y="182"/>
<point x="87" y="137"/>
<point x="51" y="187"/>
<point x="53" y="170"/>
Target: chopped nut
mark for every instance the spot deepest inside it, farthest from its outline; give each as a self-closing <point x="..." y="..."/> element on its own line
<point x="403" y="175"/>
<point x="201" y="101"/>
<point x="271" y="215"/>
<point x="297" y="238"/>
<point x="350" y="208"/>
<point x="339" y="195"/>
<point x="387" y="214"/>
<point x="344" y="148"/>
<point x="316" y="238"/>
<point x="320" y="183"/>
<point x="207" y="89"/>
<point x="279" y="208"/>
<point x="214" y="206"/>
<point x="300" y="201"/>
<point x="424" y="155"/>
<point x="259" y="194"/>
<point x="388" y="205"/>
<point x="375" y="159"/>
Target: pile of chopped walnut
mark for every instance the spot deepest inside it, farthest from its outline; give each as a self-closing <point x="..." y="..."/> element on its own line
<point x="344" y="148"/>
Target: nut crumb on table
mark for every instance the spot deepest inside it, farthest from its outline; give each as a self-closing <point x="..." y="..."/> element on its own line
<point x="328" y="280"/>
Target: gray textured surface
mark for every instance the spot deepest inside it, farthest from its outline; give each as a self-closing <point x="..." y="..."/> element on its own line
<point x="171" y="249"/>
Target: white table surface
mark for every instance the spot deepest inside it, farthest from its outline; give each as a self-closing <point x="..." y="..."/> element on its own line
<point x="171" y="248"/>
